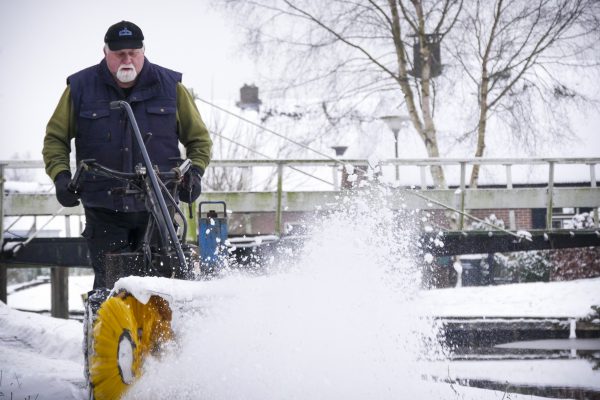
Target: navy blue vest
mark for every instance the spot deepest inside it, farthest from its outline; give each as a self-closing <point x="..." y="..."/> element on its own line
<point x="106" y="135"/>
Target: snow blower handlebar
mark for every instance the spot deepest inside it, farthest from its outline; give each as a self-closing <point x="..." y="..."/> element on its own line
<point x="155" y="191"/>
<point x="175" y="174"/>
<point x="114" y="105"/>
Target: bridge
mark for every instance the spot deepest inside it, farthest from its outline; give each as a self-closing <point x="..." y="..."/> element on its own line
<point x="287" y="202"/>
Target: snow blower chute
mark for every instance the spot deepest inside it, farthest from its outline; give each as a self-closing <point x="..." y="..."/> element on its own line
<point x="120" y="328"/>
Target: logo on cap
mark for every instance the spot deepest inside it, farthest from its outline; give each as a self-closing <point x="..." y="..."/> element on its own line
<point x="125" y="32"/>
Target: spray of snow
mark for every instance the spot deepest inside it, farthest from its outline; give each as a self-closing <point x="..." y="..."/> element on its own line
<point x="336" y="320"/>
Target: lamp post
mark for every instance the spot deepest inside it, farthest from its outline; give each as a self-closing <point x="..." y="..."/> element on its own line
<point x="395" y="123"/>
<point x="339" y="151"/>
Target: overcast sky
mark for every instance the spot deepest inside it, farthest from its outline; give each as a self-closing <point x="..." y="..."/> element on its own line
<point x="43" y="42"/>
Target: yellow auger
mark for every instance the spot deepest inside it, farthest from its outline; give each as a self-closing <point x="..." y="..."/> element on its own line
<point x="124" y="333"/>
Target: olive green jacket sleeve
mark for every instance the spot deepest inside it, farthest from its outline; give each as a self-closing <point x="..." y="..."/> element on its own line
<point x="192" y="130"/>
<point x="62" y="128"/>
<point x="59" y="132"/>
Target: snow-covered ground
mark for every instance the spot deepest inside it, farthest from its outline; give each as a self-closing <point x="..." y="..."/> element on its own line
<point x="41" y="356"/>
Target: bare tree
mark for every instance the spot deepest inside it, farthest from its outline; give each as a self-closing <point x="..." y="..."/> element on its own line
<point x="517" y="54"/>
<point x="346" y="55"/>
<point x="351" y="52"/>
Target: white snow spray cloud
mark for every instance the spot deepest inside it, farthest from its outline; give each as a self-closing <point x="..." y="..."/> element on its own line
<point x="337" y="320"/>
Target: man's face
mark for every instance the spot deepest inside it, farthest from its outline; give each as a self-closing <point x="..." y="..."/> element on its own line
<point x="125" y="65"/>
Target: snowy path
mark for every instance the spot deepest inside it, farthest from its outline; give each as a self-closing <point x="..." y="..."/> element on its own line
<point x="40" y="357"/>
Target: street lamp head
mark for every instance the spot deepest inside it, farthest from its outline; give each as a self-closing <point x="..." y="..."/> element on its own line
<point x="395" y="122"/>
<point x="339" y="150"/>
<point x="249" y="98"/>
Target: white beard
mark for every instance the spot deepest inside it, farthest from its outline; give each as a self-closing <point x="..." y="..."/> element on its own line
<point x="126" y="75"/>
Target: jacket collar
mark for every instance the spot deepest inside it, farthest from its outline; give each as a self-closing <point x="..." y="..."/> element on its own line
<point x="147" y="84"/>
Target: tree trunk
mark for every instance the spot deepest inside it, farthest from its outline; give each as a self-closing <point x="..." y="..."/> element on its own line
<point x="429" y="135"/>
<point x="481" y="128"/>
<point x="431" y="144"/>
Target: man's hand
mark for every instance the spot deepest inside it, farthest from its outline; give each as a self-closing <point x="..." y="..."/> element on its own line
<point x="190" y="188"/>
<point x="65" y="196"/>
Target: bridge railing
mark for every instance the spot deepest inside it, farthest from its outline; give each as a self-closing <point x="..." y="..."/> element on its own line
<point x="409" y="192"/>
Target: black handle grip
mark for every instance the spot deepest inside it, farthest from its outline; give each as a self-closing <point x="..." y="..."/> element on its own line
<point x="74" y="184"/>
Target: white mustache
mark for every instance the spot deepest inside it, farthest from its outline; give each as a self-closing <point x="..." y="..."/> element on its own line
<point x="123" y="66"/>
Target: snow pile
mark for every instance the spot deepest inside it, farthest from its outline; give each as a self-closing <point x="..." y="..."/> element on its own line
<point x="40" y="357"/>
<point x="538" y="299"/>
<point x="51" y="336"/>
<point x="336" y="321"/>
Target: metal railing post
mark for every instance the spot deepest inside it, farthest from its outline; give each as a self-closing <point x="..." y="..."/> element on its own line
<point x="336" y="181"/>
<point x="278" y="211"/>
<point x="3" y="283"/>
<point x="549" y="195"/>
<point x="463" y="173"/>
<point x="593" y="184"/>
<point x="423" y="176"/>
<point x="512" y="223"/>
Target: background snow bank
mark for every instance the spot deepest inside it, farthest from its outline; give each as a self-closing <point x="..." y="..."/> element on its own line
<point x="52" y="337"/>
<point x="538" y="299"/>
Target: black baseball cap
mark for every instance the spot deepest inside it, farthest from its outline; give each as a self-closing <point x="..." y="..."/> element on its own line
<point x="124" y="35"/>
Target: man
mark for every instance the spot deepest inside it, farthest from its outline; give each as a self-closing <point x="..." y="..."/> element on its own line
<point x="166" y="115"/>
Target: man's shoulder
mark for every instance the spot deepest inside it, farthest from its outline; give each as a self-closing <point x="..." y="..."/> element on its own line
<point x="83" y="73"/>
<point x="167" y="71"/>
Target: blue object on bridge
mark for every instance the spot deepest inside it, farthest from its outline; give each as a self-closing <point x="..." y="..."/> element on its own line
<point x="212" y="234"/>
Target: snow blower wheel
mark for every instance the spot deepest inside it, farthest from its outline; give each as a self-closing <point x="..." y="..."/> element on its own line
<point x="124" y="333"/>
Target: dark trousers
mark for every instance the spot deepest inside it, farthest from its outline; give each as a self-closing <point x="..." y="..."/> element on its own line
<point x="108" y="231"/>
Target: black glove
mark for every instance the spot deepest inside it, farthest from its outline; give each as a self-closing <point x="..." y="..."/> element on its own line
<point x="190" y="187"/>
<point x="65" y="196"/>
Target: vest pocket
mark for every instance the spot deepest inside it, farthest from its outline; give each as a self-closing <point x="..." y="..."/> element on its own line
<point x="94" y="125"/>
<point x="162" y="119"/>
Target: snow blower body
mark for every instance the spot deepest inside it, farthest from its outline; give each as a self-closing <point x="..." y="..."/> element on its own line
<point x="162" y="251"/>
<point x="120" y="330"/>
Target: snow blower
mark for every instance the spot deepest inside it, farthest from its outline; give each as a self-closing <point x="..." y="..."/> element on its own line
<point x="121" y="329"/>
